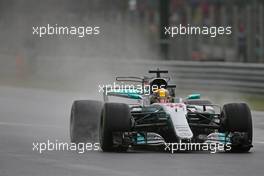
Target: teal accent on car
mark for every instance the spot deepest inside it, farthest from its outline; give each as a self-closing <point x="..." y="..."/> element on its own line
<point x="140" y="139"/>
<point x="135" y="96"/>
<point x="224" y="138"/>
<point x="129" y="93"/>
<point x="218" y="137"/>
<point x="194" y="96"/>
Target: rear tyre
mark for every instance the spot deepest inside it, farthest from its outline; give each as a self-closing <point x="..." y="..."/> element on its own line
<point x="84" y="121"/>
<point x="236" y="117"/>
<point x="115" y="117"/>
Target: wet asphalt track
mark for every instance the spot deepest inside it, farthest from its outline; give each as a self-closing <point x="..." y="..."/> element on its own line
<point x="29" y="115"/>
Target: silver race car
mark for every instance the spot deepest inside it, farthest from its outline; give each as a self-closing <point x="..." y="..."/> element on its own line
<point x="159" y="118"/>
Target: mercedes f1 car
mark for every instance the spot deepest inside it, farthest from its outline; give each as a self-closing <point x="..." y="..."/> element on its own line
<point x="159" y="117"/>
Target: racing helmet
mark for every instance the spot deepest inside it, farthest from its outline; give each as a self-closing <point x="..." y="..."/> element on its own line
<point x="160" y="96"/>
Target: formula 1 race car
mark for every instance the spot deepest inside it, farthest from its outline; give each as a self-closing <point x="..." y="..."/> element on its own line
<point x="158" y="117"/>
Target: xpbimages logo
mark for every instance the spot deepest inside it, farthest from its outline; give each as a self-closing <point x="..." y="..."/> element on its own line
<point x="183" y="147"/>
<point x="212" y="31"/>
<point x="128" y="88"/>
<point x="78" y="31"/>
<point x="56" y="145"/>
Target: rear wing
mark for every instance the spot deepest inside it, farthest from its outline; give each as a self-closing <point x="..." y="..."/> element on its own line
<point x="158" y="72"/>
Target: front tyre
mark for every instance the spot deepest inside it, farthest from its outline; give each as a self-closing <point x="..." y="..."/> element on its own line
<point x="237" y="120"/>
<point x="84" y="121"/>
<point x="115" y="118"/>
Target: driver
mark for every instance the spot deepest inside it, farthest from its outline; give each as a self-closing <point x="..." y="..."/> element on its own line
<point x="160" y="96"/>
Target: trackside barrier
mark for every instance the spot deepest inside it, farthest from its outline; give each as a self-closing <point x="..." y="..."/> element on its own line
<point x="241" y="77"/>
<point x="219" y="76"/>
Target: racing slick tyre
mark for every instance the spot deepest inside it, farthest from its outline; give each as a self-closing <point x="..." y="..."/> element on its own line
<point x="237" y="119"/>
<point x="199" y="102"/>
<point x="84" y="121"/>
<point x="115" y="117"/>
